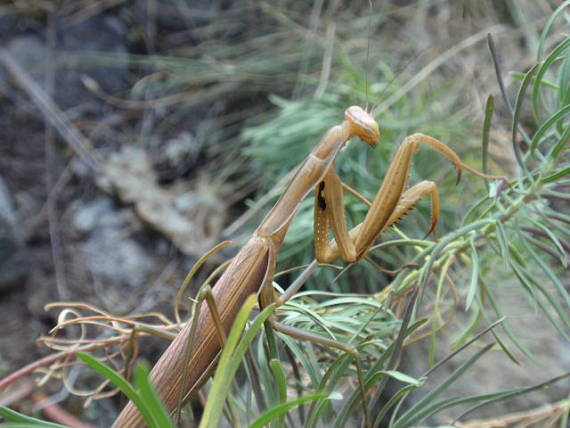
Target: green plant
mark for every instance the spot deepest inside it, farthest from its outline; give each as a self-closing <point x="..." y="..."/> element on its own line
<point x="142" y="393"/>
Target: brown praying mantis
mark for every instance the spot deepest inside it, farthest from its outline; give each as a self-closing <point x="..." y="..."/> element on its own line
<point x="251" y="270"/>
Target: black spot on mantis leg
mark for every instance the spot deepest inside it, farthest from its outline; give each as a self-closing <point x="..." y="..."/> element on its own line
<point x="321" y="198"/>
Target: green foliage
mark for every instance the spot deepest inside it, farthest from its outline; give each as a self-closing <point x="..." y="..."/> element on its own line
<point x="230" y="360"/>
<point x="142" y="393"/>
<point x="18" y="420"/>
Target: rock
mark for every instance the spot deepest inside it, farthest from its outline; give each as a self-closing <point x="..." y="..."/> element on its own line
<point x="113" y="259"/>
<point x="109" y="255"/>
<point x="95" y="213"/>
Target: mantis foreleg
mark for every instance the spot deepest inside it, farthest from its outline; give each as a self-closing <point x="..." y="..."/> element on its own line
<point x="391" y="202"/>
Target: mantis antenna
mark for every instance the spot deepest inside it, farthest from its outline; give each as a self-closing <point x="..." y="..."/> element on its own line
<point x="367" y="54"/>
<point x="367" y="65"/>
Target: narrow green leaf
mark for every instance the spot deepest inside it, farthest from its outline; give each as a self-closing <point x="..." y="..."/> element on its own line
<point x="473" y="339"/>
<point x="223" y="376"/>
<point x="562" y="143"/>
<point x="427" y="269"/>
<point x="151" y="398"/>
<point x="402" y="377"/>
<point x="511" y="335"/>
<point x="400" y="395"/>
<point x="556" y="175"/>
<point x="311" y="367"/>
<point x="440" y="405"/>
<point x="503" y="395"/>
<point x="372" y="380"/>
<point x="552" y="120"/>
<point x="436" y="315"/>
<point x="466" y="332"/>
<point x="505" y="349"/>
<point x="389" y="360"/>
<point x="281" y="409"/>
<point x="517" y="108"/>
<point x="516" y="256"/>
<point x="281" y="385"/>
<point x="330" y="380"/>
<point x="524" y="280"/>
<point x="564" y="419"/>
<point x="473" y="285"/>
<point x="536" y="94"/>
<point x="554" y="302"/>
<point x="121" y="383"/>
<point x="379" y="378"/>
<point x="312" y="316"/>
<point x="550" y="274"/>
<point x="422" y="409"/>
<point x="503" y="243"/>
<point x="552" y="237"/>
<point x="13" y="416"/>
<point x="564" y="80"/>
<point x="320" y="412"/>
<point x="473" y="209"/>
<point x="559" y="11"/>
<point x="489" y="107"/>
<point x="26" y="425"/>
<point x="230" y="360"/>
<point x="265" y="376"/>
<point x="520" y="76"/>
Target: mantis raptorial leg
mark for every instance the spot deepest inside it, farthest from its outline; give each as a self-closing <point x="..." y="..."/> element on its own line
<point x="392" y="201"/>
<point x="252" y="269"/>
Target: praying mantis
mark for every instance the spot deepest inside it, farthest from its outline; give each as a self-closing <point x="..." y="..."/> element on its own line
<point x="251" y="270"/>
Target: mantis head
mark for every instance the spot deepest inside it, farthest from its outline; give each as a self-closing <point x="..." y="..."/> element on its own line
<point x="363" y="125"/>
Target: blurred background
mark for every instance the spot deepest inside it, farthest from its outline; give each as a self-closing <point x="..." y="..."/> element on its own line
<point x="135" y="135"/>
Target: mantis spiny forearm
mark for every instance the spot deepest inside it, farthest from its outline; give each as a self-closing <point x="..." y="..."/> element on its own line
<point x="252" y="269"/>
